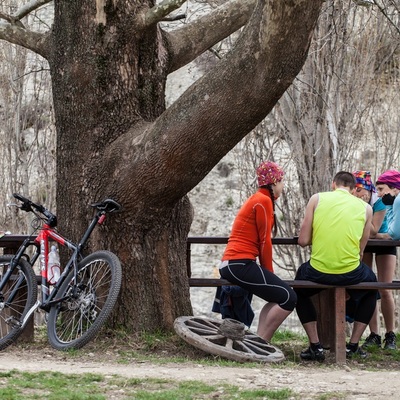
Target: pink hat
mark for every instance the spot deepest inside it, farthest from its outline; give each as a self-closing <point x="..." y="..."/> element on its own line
<point x="269" y="173"/>
<point x="390" y="178"/>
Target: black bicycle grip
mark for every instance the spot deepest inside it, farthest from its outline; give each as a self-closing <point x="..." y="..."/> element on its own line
<point x="26" y="203"/>
<point x="21" y="198"/>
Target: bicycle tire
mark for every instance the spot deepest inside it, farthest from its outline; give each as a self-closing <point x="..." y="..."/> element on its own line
<point x="11" y="315"/>
<point x="78" y="319"/>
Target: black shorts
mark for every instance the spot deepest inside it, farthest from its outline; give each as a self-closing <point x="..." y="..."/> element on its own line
<point x="381" y="250"/>
<point x="361" y="274"/>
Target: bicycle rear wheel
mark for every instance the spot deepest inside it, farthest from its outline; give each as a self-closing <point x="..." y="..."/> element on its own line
<point x="88" y="303"/>
<point x="16" y="299"/>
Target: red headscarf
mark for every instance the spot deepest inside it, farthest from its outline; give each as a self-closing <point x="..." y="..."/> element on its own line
<point x="269" y="173"/>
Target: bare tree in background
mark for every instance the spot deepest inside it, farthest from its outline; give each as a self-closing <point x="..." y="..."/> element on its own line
<point x="341" y="112"/>
<point x="28" y="134"/>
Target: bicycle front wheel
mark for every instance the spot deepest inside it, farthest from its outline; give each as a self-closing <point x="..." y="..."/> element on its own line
<point x="87" y="303"/>
<point x="16" y="299"/>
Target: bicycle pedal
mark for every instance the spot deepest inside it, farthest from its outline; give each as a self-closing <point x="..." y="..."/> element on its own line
<point x="13" y="322"/>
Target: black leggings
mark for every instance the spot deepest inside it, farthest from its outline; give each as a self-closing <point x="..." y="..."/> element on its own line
<point x="361" y="310"/>
<point x="261" y="282"/>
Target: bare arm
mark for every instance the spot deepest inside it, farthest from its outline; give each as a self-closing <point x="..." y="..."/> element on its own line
<point x="367" y="230"/>
<point x="384" y="236"/>
<point x="377" y="219"/>
<point x="305" y="235"/>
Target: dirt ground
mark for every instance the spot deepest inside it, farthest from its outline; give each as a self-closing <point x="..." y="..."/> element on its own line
<point x="311" y="381"/>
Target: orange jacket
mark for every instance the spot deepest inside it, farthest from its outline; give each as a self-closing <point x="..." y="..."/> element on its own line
<point x="251" y="231"/>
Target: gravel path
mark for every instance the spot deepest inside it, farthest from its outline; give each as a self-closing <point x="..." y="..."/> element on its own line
<point x="311" y="380"/>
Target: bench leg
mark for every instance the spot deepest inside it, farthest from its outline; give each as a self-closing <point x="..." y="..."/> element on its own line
<point x="340" y="325"/>
<point x="331" y="310"/>
<point x="324" y="303"/>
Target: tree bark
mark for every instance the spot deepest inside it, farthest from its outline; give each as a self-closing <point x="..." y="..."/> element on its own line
<point x="116" y="139"/>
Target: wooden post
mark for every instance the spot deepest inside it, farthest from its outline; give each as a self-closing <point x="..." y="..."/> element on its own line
<point x="340" y="322"/>
<point x="323" y="302"/>
<point x="331" y="320"/>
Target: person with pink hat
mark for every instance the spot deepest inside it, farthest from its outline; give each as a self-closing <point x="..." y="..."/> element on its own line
<point x="388" y="187"/>
<point x="385" y="258"/>
<point x="247" y="259"/>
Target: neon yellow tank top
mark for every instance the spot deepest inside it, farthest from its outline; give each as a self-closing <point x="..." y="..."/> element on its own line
<point x="338" y="225"/>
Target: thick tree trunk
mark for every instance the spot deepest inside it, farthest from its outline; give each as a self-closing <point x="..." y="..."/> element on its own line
<point x="116" y="140"/>
<point x="155" y="289"/>
<point x="110" y="88"/>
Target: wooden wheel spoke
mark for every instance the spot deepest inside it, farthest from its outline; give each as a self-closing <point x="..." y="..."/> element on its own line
<point x="201" y="330"/>
<point x="203" y="323"/>
<point x="254" y="337"/>
<point x="256" y="344"/>
<point x="260" y="348"/>
<point x="242" y="346"/>
<point x="204" y="333"/>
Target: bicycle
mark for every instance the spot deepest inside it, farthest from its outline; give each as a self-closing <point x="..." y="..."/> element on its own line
<point x="82" y="299"/>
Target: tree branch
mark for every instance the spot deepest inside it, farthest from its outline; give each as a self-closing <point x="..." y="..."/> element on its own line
<point x="6" y="17"/>
<point x="13" y="30"/>
<point x="30" y="40"/>
<point x="28" y="8"/>
<point x="187" y="43"/>
<point x="157" y="13"/>
<point x="383" y="11"/>
<point x="225" y="104"/>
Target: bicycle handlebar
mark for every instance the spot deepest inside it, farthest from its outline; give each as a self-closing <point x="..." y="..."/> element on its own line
<point x="29" y="206"/>
<point x="106" y="206"/>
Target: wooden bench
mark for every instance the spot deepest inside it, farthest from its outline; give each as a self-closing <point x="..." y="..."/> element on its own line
<point x="330" y="303"/>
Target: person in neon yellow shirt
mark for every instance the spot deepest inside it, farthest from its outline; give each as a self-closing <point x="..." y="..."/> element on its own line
<point x="337" y="225"/>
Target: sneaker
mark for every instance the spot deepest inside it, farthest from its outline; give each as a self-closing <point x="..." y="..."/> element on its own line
<point x="373" y="340"/>
<point x="358" y="353"/>
<point x="311" y="355"/>
<point x="390" y="341"/>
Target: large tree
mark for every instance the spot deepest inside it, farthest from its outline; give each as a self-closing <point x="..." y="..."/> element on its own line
<point x="109" y="61"/>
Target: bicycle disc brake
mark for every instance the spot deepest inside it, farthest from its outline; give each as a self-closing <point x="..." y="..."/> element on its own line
<point x="83" y="300"/>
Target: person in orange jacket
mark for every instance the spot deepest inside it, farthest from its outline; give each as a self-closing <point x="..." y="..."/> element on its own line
<point x="247" y="260"/>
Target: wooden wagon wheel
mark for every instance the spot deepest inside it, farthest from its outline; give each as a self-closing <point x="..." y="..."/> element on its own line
<point x="226" y="338"/>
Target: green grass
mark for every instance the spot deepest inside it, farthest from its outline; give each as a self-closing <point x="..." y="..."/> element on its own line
<point x="165" y="348"/>
<point x="15" y="385"/>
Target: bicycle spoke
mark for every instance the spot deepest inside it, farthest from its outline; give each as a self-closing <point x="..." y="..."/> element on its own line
<point x="88" y="303"/>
